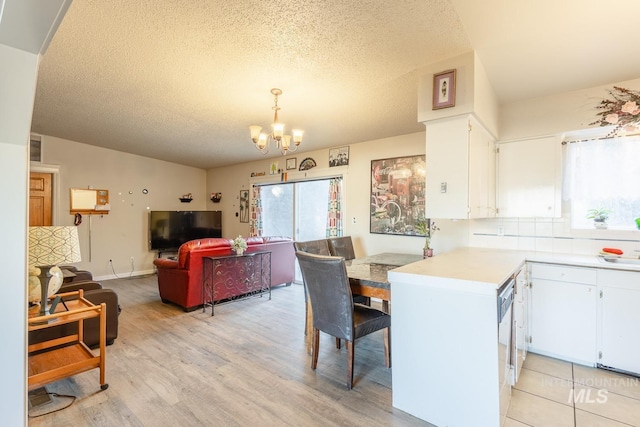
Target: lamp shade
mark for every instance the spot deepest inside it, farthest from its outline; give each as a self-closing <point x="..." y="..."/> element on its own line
<point x="53" y="245"/>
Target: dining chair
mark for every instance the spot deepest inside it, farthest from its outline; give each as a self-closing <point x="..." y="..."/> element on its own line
<point x="343" y="246"/>
<point x="334" y="311"/>
<point x="321" y="247"/>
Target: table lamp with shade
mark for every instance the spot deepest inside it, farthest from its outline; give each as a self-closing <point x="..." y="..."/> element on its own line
<point x="48" y="247"/>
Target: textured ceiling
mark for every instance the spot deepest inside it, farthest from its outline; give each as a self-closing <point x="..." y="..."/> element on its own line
<point x="182" y="80"/>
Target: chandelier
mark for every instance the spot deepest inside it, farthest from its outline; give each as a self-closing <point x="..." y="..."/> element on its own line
<point x="282" y="142"/>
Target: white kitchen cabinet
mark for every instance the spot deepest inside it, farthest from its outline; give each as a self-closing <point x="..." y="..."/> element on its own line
<point x="563" y="312"/>
<point x="460" y="177"/>
<point x="529" y="178"/>
<point x="520" y="321"/>
<point x="619" y="320"/>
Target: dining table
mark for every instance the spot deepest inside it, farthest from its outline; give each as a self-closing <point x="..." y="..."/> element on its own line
<point x="368" y="277"/>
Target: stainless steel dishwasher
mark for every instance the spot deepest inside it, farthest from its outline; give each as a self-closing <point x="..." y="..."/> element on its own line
<point x="505" y="342"/>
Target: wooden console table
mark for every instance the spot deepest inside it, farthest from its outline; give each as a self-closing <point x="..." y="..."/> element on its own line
<point x="232" y="277"/>
<point x="59" y="358"/>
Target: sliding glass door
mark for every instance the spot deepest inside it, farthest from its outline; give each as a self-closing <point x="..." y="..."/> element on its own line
<point x="297" y="209"/>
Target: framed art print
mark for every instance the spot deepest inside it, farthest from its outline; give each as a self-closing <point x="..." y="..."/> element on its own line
<point x="444" y="89"/>
<point x="244" y="206"/>
<point x="397" y="195"/>
<point x="339" y="156"/>
<point x="291" y="163"/>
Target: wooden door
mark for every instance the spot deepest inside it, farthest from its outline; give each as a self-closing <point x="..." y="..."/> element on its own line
<point x="40" y="196"/>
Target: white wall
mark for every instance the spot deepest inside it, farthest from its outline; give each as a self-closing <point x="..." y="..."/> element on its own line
<point x="123" y="233"/>
<point x="17" y="90"/>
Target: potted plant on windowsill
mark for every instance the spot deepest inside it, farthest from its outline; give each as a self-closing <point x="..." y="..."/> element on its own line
<point x="599" y="216"/>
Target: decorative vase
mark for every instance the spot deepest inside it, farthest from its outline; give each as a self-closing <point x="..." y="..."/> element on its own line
<point x="427" y="252"/>
<point x="239" y="252"/>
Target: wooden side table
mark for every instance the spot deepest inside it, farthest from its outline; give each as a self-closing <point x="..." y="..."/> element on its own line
<point x="59" y="358"/>
<point x="234" y="277"/>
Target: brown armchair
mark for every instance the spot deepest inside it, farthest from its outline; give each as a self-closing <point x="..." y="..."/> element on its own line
<point x="79" y="275"/>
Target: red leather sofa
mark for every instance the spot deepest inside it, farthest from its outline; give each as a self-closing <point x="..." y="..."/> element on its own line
<point x="180" y="281"/>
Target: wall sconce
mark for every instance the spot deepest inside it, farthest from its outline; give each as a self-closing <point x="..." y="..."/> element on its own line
<point x="215" y="197"/>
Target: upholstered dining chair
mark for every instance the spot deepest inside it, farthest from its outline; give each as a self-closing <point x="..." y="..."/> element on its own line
<point x="321" y="247"/>
<point x="334" y="311"/>
<point x="318" y="247"/>
<point x="343" y="246"/>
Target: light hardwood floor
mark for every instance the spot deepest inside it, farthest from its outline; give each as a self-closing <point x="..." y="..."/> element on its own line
<point x="246" y="366"/>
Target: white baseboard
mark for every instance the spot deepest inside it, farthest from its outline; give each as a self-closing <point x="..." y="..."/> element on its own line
<point x="125" y="275"/>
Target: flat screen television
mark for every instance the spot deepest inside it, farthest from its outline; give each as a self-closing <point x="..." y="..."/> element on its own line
<point x="170" y="229"/>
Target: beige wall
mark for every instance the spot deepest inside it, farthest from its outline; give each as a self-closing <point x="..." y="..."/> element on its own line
<point x="123" y="233"/>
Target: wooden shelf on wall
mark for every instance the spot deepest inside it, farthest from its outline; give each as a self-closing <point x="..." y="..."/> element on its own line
<point x="89" y="201"/>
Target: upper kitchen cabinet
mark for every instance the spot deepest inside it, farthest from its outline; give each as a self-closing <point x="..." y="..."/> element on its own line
<point x="461" y="172"/>
<point x="530" y="178"/>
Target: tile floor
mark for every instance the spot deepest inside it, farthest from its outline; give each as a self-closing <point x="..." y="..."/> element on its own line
<point x="552" y="392"/>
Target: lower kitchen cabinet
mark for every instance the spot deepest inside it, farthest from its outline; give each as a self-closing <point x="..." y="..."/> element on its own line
<point x="619" y="320"/>
<point x="520" y="320"/>
<point x="563" y="312"/>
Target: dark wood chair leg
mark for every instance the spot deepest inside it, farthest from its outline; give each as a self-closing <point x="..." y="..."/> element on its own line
<point x="387" y="347"/>
<point x="338" y="344"/>
<point x="316" y="344"/>
<point x="350" y="355"/>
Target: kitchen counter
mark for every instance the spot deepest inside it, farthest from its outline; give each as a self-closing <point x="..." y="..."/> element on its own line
<point x="583" y="261"/>
<point x="478" y="270"/>
<point x="485" y="269"/>
<point x="445" y="345"/>
<point x="445" y="341"/>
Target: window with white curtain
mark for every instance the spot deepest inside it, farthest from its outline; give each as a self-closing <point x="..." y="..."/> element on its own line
<point x="604" y="173"/>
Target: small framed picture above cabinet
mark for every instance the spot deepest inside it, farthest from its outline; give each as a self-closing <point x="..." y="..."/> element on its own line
<point x="444" y="89"/>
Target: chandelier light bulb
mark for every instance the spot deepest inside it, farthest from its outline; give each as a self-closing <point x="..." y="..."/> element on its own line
<point x="286" y="142"/>
<point x="278" y="131"/>
<point x="255" y="132"/>
<point x="262" y="141"/>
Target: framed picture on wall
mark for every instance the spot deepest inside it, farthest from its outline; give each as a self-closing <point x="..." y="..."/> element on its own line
<point x="339" y="156"/>
<point x="397" y="195"/>
<point x="444" y="89"/>
<point x="291" y="163"/>
<point x="244" y="206"/>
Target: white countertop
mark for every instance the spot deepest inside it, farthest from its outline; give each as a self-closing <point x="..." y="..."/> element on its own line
<point x="580" y="261"/>
<point x="482" y="269"/>
<point x="485" y="269"/>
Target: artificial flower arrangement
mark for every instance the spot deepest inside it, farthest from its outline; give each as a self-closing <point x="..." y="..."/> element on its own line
<point x="622" y="111"/>
<point x="239" y="245"/>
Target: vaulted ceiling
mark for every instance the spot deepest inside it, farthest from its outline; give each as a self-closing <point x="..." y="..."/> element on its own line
<point x="181" y="81"/>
